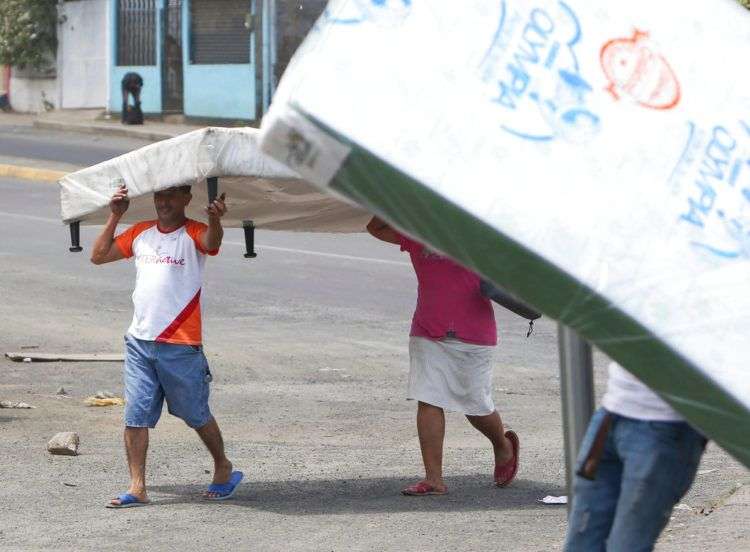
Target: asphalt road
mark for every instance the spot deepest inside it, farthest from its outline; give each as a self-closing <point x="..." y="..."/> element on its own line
<point x="307" y="344"/>
<point x="72" y="148"/>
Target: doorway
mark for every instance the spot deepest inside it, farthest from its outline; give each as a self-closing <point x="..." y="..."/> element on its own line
<point x="172" y="76"/>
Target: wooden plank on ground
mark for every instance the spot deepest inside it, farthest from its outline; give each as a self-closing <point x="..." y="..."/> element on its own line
<point x="64" y="357"/>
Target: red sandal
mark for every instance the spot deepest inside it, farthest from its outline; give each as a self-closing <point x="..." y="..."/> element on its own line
<point x="507" y="472"/>
<point x="422" y="489"/>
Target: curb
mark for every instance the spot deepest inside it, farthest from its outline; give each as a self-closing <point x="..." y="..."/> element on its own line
<point x="152" y="135"/>
<point x="31" y="173"/>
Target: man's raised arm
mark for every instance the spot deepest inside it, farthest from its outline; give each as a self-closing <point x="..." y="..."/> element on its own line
<point x="105" y="249"/>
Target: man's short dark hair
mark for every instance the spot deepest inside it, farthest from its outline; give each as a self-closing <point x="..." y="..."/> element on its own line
<point x="185" y="189"/>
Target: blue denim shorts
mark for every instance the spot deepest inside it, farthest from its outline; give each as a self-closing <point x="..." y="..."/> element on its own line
<point x="156" y="371"/>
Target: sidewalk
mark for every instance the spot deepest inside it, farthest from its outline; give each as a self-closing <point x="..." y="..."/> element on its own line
<point x="94" y="121"/>
<point x="16" y="119"/>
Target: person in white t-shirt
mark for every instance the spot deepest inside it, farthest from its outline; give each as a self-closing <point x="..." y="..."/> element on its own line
<point x="638" y="459"/>
<point x="163" y="347"/>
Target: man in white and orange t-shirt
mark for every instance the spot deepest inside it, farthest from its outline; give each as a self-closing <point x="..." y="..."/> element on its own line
<point x="163" y="348"/>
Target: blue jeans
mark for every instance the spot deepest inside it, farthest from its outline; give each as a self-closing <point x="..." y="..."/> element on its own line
<point x="155" y="371"/>
<point x="645" y="469"/>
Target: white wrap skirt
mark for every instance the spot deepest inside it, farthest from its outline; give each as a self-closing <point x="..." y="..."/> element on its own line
<point x="452" y="375"/>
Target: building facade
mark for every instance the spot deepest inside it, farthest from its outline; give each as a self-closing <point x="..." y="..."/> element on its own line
<point x="205" y="59"/>
<point x="82" y="59"/>
<point x="78" y="77"/>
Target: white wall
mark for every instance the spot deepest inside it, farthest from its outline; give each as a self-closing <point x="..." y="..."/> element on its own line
<point x="82" y="70"/>
<point x="32" y="94"/>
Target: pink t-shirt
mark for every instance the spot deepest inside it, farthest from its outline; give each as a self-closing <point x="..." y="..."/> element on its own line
<point x="449" y="303"/>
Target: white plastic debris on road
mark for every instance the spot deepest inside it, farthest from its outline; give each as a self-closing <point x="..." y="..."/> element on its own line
<point x="549" y="499"/>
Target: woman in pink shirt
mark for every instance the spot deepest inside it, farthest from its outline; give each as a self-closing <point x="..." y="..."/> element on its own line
<point x="450" y="349"/>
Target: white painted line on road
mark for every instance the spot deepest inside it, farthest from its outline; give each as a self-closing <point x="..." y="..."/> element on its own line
<point x="241" y="244"/>
<point x="323" y="254"/>
<point x="31" y="217"/>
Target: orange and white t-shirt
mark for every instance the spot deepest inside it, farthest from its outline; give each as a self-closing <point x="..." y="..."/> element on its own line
<point x="169" y="276"/>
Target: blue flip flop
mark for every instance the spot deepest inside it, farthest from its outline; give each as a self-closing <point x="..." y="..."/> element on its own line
<point x="127" y="500"/>
<point x="225" y="490"/>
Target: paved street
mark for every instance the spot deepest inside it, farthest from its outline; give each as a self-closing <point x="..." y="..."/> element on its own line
<point x="307" y="344"/>
<point x="24" y="141"/>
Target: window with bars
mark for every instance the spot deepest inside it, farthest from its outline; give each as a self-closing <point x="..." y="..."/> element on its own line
<point x="220" y="31"/>
<point x="136" y="32"/>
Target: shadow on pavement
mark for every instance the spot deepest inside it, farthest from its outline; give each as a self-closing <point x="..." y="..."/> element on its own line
<point x="365" y="496"/>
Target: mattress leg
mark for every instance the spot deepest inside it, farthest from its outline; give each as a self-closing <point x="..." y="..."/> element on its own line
<point x="212" y="183"/>
<point x="75" y="237"/>
<point x="249" y="227"/>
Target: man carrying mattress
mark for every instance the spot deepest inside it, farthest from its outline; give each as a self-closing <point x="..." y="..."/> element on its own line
<point x="163" y="353"/>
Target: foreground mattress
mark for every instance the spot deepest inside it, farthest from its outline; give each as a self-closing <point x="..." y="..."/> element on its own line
<point x="591" y="157"/>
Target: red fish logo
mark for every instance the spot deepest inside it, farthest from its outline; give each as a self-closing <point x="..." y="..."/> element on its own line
<point x="635" y="70"/>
